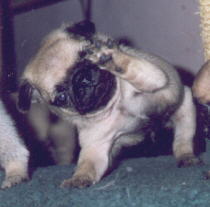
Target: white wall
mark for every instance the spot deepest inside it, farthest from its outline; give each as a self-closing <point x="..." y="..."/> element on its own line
<point x="168" y="28"/>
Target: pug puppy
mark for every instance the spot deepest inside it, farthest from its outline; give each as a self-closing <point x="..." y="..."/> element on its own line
<point x="13" y="154"/>
<point x="110" y="93"/>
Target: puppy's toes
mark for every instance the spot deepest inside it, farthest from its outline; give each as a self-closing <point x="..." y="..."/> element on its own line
<point x="104" y="59"/>
<point x="188" y="160"/>
<point x="77" y="182"/>
<point x="13" y="180"/>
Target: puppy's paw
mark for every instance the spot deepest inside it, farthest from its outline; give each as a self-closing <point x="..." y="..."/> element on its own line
<point x="102" y="56"/>
<point x="78" y="182"/>
<point x="100" y="52"/>
<point x="16" y="172"/>
<point x="187" y="160"/>
<point x="109" y="59"/>
<point x="12" y="180"/>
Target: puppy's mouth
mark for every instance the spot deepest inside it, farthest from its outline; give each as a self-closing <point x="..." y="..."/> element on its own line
<point x="86" y="89"/>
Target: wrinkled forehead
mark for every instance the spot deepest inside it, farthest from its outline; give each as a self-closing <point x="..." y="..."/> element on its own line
<point x="53" y="62"/>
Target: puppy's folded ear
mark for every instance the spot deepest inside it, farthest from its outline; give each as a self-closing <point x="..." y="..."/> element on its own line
<point x="84" y="28"/>
<point x="24" y="96"/>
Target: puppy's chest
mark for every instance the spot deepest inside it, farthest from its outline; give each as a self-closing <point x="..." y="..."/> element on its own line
<point x="117" y="122"/>
<point x="129" y="119"/>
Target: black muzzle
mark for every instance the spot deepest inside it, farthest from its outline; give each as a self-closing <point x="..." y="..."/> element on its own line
<point x="87" y="88"/>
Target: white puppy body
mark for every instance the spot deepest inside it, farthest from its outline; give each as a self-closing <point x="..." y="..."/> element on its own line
<point x="13" y="154"/>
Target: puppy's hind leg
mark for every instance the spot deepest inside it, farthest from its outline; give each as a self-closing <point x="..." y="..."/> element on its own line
<point x="184" y="121"/>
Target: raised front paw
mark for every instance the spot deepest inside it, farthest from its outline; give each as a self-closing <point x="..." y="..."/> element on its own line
<point x="107" y="56"/>
<point x="78" y="181"/>
<point x="99" y="51"/>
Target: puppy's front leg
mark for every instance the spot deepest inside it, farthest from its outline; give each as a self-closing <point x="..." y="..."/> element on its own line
<point x="142" y="74"/>
<point x="92" y="164"/>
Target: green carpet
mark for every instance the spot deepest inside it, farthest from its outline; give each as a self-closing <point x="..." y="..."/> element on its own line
<point x="142" y="182"/>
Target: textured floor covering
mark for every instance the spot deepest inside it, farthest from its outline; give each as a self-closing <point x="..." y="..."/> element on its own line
<point x="142" y="182"/>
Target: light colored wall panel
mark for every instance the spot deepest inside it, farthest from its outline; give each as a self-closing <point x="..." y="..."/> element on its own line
<point x="168" y="28"/>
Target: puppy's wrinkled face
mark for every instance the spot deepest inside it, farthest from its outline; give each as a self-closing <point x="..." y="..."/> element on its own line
<point x="86" y="88"/>
<point x="63" y="77"/>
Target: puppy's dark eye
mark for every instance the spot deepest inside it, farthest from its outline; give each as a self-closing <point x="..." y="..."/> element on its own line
<point x="61" y="99"/>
